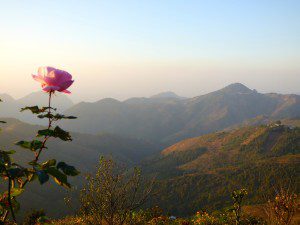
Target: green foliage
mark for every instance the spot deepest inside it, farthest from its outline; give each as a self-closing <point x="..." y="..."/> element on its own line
<point x="56" y="116"/>
<point x="18" y="176"/>
<point x="32" y="218"/>
<point x="58" y="176"/>
<point x="42" y="176"/>
<point x="112" y="194"/>
<point x="36" y="109"/>
<point x="67" y="169"/>
<point x="31" y="145"/>
<point x="57" y="133"/>
<point x="238" y="196"/>
<point x="244" y="157"/>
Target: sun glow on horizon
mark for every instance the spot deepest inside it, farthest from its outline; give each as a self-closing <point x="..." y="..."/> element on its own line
<point x="140" y="48"/>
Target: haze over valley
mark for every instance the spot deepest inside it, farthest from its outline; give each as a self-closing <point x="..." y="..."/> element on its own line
<point x="156" y="112"/>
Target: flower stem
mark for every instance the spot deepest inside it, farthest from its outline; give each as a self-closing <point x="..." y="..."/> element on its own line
<point x="37" y="155"/>
<point x="49" y="126"/>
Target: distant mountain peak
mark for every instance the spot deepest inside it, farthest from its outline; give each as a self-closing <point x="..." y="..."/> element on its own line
<point x="6" y="97"/>
<point x="236" y="88"/>
<point x="167" y="94"/>
<point x="108" y="101"/>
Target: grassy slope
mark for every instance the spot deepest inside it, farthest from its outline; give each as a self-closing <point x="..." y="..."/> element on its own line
<point x="201" y="172"/>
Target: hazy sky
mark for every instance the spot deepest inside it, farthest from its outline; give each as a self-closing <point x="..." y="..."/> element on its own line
<point x="131" y="48"/>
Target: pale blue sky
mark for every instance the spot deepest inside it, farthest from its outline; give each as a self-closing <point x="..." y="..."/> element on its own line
<point x="138" y="48"/>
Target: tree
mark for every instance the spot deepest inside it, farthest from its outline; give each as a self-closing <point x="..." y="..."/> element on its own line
<point x="237" y="197"/>
<point x="113" y="194"/>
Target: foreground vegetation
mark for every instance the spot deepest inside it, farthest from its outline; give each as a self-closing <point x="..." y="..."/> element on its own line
<point x="114" y="196"/>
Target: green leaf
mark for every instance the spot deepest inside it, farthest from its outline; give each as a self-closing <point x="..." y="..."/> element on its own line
<point x="15" y="172"/>
<point x="56" y="116"/>
<point x="33" y="145"/>
<point x="42" y="176"/>
<point x="60" y="116"/>
<point x="47" y="115"/>
<point x="36" y="144"/>
<point x="57" y="133"/>
<point x="24" y="144"/>
<point x="2" y="121"/>
<point x="46" y="108"/>
<point x="36" y="110"/>
<point x="16" y="192"/>
<point x="33" y="109"/>
<point x="51" y="162"/>
<point x="67" y="169"/>
<point x="46" y="132"/>
<point x="10" y="152"/>
<point x="63" y="135"/>
<point x="58" y="177"/>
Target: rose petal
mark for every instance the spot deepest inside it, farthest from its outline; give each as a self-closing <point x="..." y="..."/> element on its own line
<point x="66" y="91"/>
<point x="65" y="85"/>
<point x="62" y="76"/>
<point x="45" y="70"/>
<point x="39" y="79"/>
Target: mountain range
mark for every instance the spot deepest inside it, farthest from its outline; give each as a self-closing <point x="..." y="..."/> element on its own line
<point x="200" y="149"/>
<point x="171" y="119"/>
<point x="166" y="117"/>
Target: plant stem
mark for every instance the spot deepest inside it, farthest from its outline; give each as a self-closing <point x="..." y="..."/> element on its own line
<point x="5" y="216"/>
<point x="49" y="126"/>
<point x="37" y="155"/>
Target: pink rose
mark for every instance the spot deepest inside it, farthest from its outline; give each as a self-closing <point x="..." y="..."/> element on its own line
<point x="53" y="79"/>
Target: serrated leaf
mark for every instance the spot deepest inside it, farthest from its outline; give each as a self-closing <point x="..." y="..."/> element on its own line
<point x="67" y="169"/>
<point x="15" y="172"/>
<point x="51" y="162"/>
<point x="34" y="109"/>
<point x="58" y="177"/>
<point x="33" y="145"/>
<point x="63" y="135"/>
<point x="60" y="116"/>
<point x="42" y="116"/>
<point x="42" y="176"/>
<point x="24" y="144"/>
<point x="43" y="109"/>
<point x="46" y="132"/>
<point x="57" y="133"/>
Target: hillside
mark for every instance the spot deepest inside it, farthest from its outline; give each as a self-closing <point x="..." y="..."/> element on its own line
<point x="168" y="94"/>
<point x="10" y="107"/>
<point x="201" y="172"/>
<point x="83" y="152"/>
<point x="171" y="119"/>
